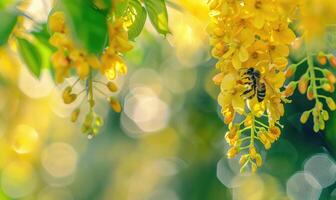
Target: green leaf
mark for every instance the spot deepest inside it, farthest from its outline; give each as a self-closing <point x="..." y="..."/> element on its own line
<point x="157" y="12"/>
<point x="88" y="24"/>
<point x="8" y="19"/>
<point x="138" y="13"/>
<point x="121" y="8"/>
<point x="31" y="56"/>
<point x="45" y="48"/>
<point x="42" y="35"/>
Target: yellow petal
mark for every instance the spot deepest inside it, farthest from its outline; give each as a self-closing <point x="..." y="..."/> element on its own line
<point x="243" y="54"/>
<point x="224" y="99"/>
<point x="236" y="61"/>
<point x="228" y="82"/>
<point x="288" y="36"/>
<point x="238" y="104"/>
<point x="258" y="21"/>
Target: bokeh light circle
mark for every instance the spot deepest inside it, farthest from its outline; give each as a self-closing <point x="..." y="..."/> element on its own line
<point x="146" y="110"/>
<point x="303" y="186"/>
<point x="323" y="168"/>
<point x="34" y="87"/>
<point x="25" y="139"/>
<point x="249" y="187"/>
<point x="18" y="179"/>
<point x="59" y="160"/>
<point x="225" y="172"/>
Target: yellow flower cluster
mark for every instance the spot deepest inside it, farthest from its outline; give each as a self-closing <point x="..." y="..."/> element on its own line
<point x="69" y="56"/>
<point x="245" y="35"/>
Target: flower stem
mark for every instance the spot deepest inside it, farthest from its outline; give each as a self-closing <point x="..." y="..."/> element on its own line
<point x="311" y="71"/>
<point x="90" y="88"/>
<point x="252" y="132"/>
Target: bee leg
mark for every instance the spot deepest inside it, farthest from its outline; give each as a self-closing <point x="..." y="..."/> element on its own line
<point x="252" y="95"/>
<point x="247" y="91"/>
<point x="248" y="83"/>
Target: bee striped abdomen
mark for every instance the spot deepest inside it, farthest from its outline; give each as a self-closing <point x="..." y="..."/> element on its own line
<point x="261" y="92"/>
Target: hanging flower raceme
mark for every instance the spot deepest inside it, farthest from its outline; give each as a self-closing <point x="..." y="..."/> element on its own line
<point x="68" y="56"/>
<point x="251" y="40"/>
<point x="318" y="80"/>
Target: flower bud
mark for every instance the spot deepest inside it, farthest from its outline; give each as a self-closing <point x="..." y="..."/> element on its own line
<point x="74" y="115"/>
<point x="290" y="89"/>
<point x="332" y="61"/>
<point x="275" y="131"/>
<point x="304" y="117"/>
<point x="69" y="99"/>
<point x="232" y="133"/>
<point x="321" y="124"/>
<point x="267" y="145"/>
<point x="228" y="117"/>
<point x="232" y="152"/>
<point x="253" y="167"/>
<point x="303" y="84"/>
<point x="325" y="115"/>
<point x="243" y="159"/>
<point x="332" y="88"/>
<point x="330" y="76"/>
<point x="253" y="152"/>
<point x="310" y="93"/>
<point x="319" y="106"/>
<point x="327" y="87"/>
<point x="321" y="58"/>
<point x="291" y="70"/>
<point x="262" y="136"/>
<point x="115" y="104"/>
<point x="331" y="103"/>
<point x="112" y="86"/>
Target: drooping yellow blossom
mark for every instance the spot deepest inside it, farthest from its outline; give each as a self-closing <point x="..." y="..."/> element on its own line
<point x="251" y="34"/>
<point x="69" y="56"/>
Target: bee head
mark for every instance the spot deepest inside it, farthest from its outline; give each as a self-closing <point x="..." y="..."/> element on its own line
<point x="250" y="71"/>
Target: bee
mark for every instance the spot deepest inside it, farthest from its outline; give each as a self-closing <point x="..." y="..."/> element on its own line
<point x="255" y="86"/>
